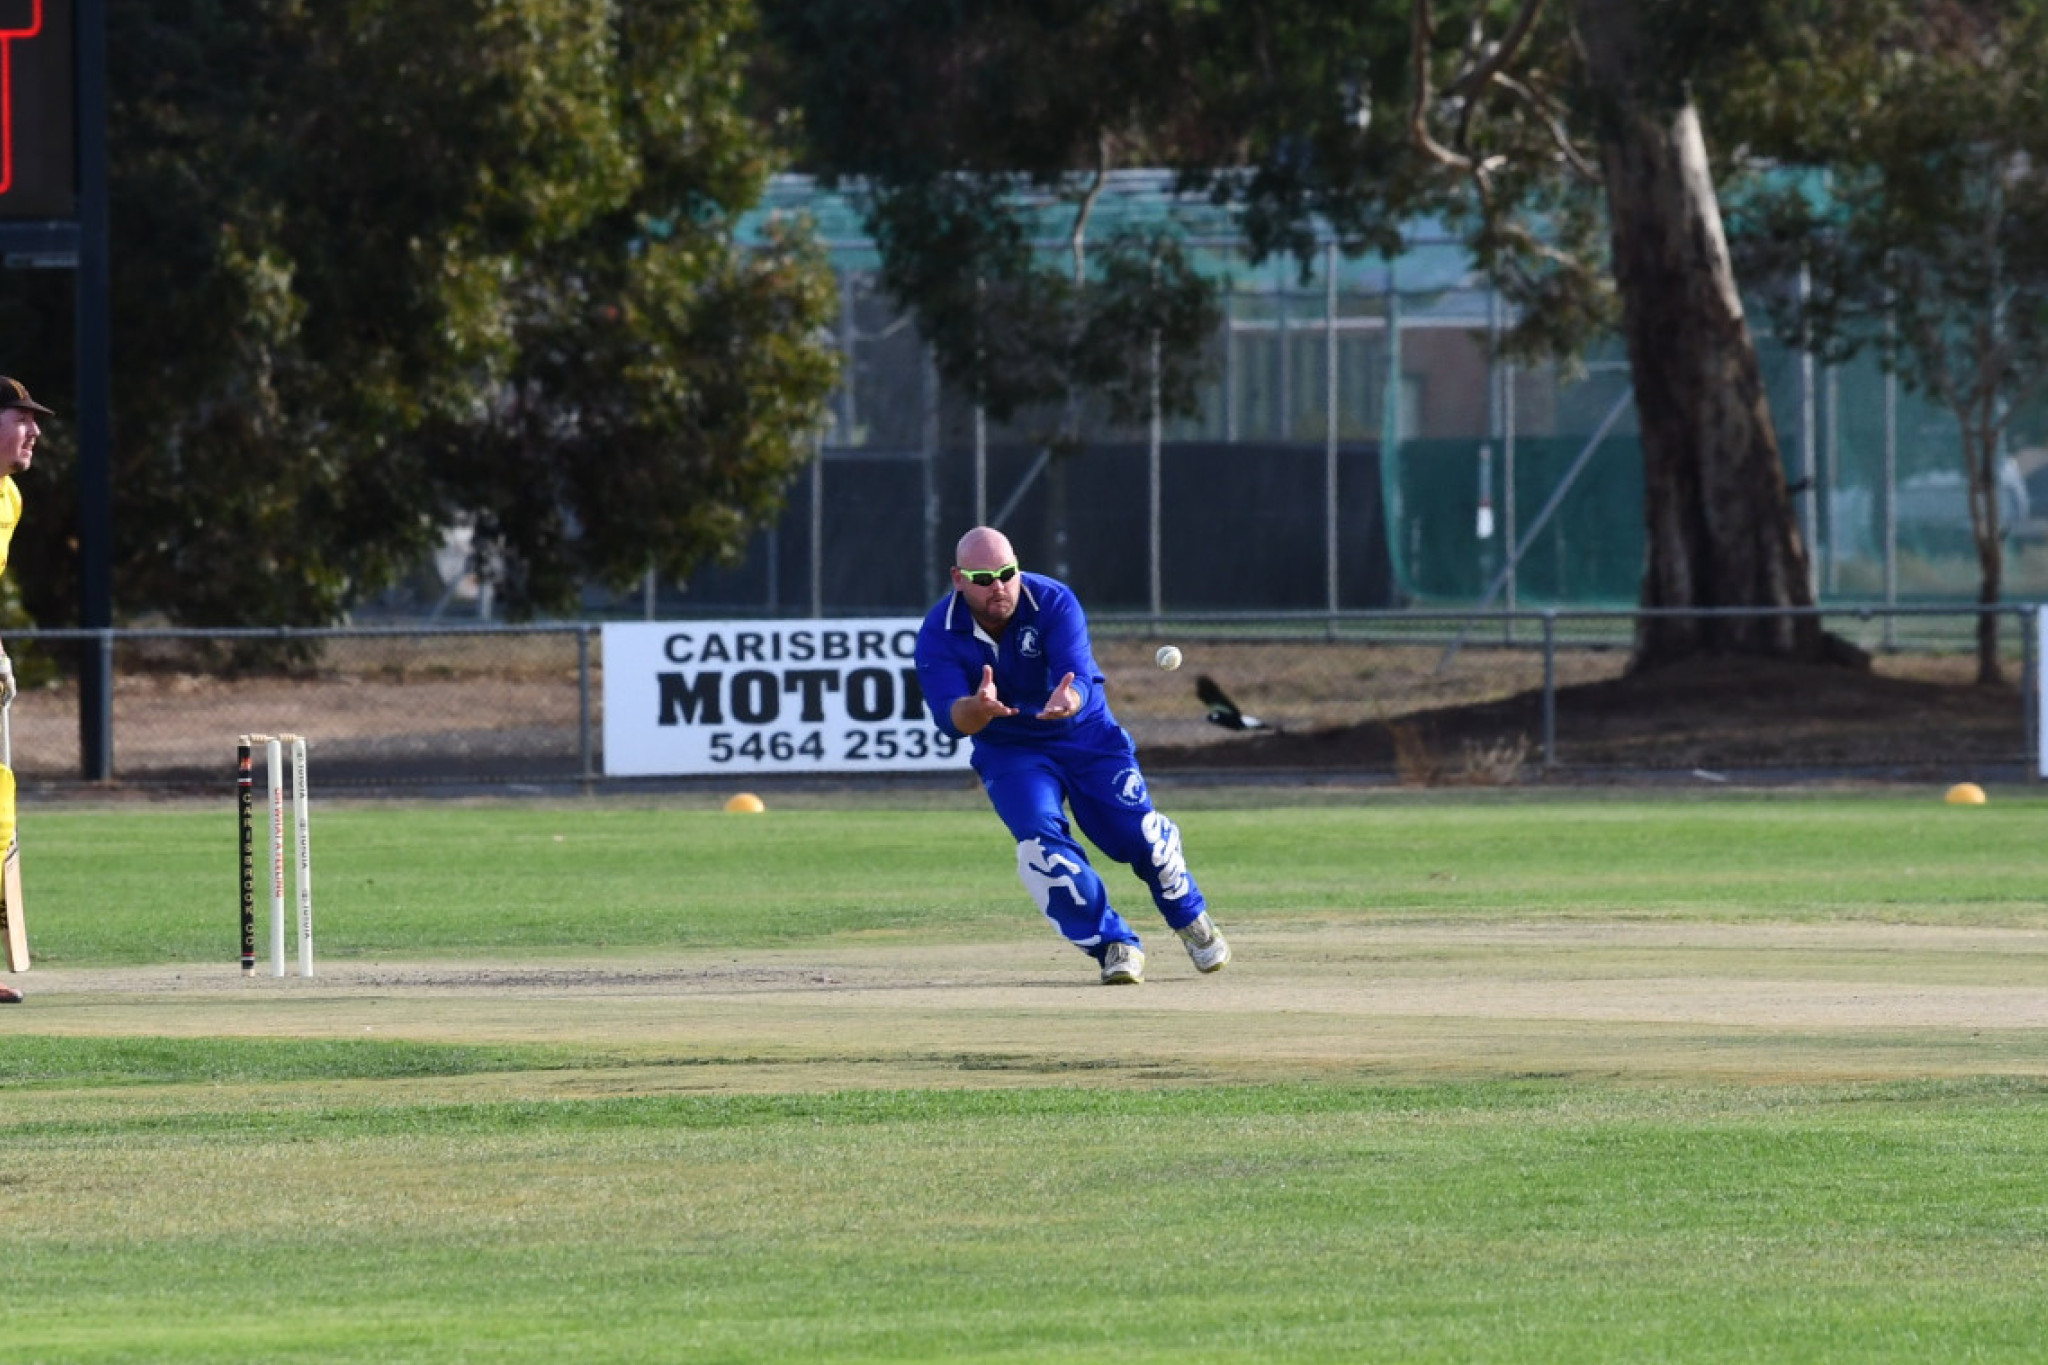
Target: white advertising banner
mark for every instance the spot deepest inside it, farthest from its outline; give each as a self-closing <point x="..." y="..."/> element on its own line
<point x="706" y="697"/>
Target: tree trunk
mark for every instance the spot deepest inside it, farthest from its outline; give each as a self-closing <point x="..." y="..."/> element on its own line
<point x="1987" y="530"/>
<point x="1989" y="672"/>
<point x="1718" y="515"/>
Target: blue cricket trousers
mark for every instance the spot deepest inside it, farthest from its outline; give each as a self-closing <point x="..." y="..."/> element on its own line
<point x="1094" y="771"/>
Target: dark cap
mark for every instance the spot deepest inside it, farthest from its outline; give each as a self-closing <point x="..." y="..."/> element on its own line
<point x="14" y="394"/>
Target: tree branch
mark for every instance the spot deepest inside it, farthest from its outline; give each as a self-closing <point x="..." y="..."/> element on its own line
<point x="1421" y="30"/>
<point x="1509" y="47"/>
<point x="1533" y="245"/>
<point x="1077" y="239"/>
<point x="1926" y="341"/>
<point x="1540" y="108"/>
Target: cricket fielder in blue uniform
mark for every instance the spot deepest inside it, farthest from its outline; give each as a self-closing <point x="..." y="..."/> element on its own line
<point x="1004" y="659"/>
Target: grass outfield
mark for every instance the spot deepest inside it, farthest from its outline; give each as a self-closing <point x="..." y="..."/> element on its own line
<point x="117" y="886"/>
<point x="1494" y="1078"/>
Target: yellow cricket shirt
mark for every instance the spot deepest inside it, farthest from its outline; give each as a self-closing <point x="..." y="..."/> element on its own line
<point x="10" y="515"/>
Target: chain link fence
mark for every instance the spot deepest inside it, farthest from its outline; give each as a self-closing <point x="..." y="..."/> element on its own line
<point x="1421" y="697"/>
<point x="1468" y="698"/>
<point x="399" y="706"/>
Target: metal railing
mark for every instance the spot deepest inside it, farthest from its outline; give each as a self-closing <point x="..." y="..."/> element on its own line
<point x="507" y="706"/>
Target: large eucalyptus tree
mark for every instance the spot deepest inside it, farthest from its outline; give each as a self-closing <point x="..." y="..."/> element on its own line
<point x="1565" y="141"/>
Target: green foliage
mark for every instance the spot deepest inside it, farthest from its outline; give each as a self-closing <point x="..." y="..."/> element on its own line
<point x="1015" y="329"/>
<point x="959" y="125"/>
<point x="1927" y="239"/>
<point x="1308" y="117"/>
<point x="34" y="665"/>
<point x="1932" y="209"/>
<point x="383" y="266"/>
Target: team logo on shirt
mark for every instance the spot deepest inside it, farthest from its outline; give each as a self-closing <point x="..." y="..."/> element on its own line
<point x="1130" y="788"/>
<point x="1027" y="642"/>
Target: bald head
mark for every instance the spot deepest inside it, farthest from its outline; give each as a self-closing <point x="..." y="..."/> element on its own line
<point x="986" y="551"/>
<point x="984" y="548"/>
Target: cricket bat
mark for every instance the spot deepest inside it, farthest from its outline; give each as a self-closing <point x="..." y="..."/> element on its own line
<point x="11" y="912"/>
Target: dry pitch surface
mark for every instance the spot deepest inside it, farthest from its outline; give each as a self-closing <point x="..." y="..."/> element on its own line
<point x="1657" y="1003"/>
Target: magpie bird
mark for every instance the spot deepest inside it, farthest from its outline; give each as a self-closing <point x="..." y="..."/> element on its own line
<point x="1222" y="710"/>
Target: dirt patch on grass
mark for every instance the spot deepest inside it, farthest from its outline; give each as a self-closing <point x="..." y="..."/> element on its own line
<point x="1328" y="1000"/>
<point x="481" y="708"/>
<point x="1907" y="717"/>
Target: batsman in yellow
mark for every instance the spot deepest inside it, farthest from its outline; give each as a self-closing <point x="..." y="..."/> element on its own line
<point x="18" y="432"/>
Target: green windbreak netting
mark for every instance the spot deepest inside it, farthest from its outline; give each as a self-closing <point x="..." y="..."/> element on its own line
<point x="1589" y="552"/>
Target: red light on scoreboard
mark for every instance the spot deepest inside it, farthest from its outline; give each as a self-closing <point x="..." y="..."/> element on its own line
<point x="8" y="36"/>
<point x="38" y="177"/>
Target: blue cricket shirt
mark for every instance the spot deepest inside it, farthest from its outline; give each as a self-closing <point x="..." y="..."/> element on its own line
<point x="1046" y="639"/>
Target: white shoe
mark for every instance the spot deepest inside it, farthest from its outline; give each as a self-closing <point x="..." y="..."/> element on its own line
<point x="1122" y="965"/>
<point x="1205" y="943"/>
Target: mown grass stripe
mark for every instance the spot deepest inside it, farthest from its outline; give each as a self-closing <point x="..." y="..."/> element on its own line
<point x="1486" y="1101"/>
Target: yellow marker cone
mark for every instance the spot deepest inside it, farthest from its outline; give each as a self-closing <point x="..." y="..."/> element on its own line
<point x="747" y="801"/>
<point x="1965" y="794"/>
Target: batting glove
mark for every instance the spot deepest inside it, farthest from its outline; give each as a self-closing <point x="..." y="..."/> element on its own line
<point x="6" y="681"/>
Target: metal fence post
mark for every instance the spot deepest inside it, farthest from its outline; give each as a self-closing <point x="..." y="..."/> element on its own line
<point x="96" y="710"/>
<point x="1332" y="378"/>
<point x="1550" y="687"/>
<point x="585" y="747"/>
<point x="2030" y="674"/>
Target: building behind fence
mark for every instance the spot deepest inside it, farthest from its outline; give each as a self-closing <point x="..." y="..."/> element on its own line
<point x="1357" y="433"/>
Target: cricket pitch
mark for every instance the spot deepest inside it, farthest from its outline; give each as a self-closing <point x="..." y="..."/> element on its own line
<point x="1309" y="1000"/>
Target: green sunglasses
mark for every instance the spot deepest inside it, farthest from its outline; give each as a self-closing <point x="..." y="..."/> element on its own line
<point x="982" y="578"/>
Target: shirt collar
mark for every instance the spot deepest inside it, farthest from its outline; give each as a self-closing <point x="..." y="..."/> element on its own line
<point x="961" y="620"/>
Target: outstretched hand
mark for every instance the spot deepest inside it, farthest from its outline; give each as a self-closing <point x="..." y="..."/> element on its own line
<point x="1065" y="701"/>
<point x="975" y="710"/>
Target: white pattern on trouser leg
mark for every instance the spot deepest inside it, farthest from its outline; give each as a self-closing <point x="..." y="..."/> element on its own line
<point x="1044" y="873"/>
<point x="1171" y="865"/>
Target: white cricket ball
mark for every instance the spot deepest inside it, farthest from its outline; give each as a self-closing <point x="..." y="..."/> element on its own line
<point x="1167" y="658"/>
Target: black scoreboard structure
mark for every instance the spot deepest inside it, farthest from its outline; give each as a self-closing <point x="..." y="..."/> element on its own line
<point x="38" y="112"/>
<point x="53" y="216"/>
